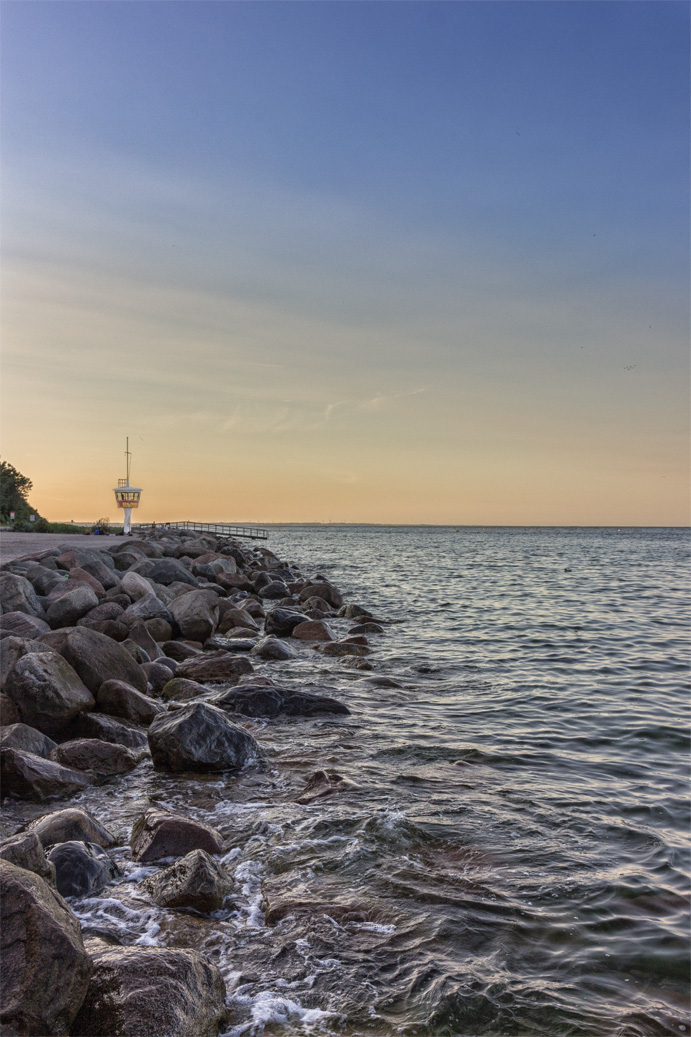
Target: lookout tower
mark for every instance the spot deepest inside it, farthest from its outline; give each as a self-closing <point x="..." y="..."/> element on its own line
<point x="126" y="496"/>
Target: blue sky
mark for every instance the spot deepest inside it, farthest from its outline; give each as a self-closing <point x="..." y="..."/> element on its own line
<point x="400" y="261"/>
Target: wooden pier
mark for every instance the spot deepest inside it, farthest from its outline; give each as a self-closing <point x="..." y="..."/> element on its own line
<point x="222" y="529"/>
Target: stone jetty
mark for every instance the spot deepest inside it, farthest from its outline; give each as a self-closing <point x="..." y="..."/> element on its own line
<point x="154" y="648"/>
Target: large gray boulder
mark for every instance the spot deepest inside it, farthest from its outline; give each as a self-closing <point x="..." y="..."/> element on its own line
<point x="81" y="868"/>
<point x="271" y="648"/>
<point x="96" y="756"/>
<point x="196" y="881"/>
<point x="169" y="570"/>
<point x="21" y="736"/>
<point x="137" y="991"/>
<point x="13" y="648"/>
<point x="326" y="591"/>
<point x="120" y="700"/>
<point x="214" y="667"/>
<point x="18" y="595"/>
<point x="162" y="833"/>
<point x="47" y="692"/>
<point x="181" y="689"/>
<point x="199" y="737"/>
<point x="45" y="968"/>
<point x="96" y="658"/>
<point x="149" y="606"/>
<point x="25" y="850"/>
<point x="71" y="605"/>
<point x="196" y="614"/>
<point x="282" y="622"/>
<point x="108" y="729"/>
<point x="25" y="776"/>
<point x="61" y="826"/>
<point x="21" y="624"/>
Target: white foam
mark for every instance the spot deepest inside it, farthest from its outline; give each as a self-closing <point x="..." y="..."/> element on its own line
<point x="249" y="873"/>
<point x="372" y="927"/>
<point x="268" y="1007"/>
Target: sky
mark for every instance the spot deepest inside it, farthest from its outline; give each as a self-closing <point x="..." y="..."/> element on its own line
<point x="379" y="261"/>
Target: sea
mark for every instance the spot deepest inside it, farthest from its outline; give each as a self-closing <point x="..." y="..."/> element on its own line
<point x="510" y="852"/>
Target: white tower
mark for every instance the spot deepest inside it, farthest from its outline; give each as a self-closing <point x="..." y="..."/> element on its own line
<point x="126" y="496"/>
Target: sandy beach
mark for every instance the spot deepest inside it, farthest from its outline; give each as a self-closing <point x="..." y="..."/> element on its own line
<point x="16" y="545"/>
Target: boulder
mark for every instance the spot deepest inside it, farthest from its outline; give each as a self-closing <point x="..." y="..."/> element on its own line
<point x="282" y="622"/>
<point x="181" y="689"/>
<point x="327" y="591"/>
<point x="251" y="702"/>
<point x="83" y="576"/>
<point x="312" y="630"/>
<point x="43" y="579"/>
<point x="141" y="636"/>
<point x="150" y="607"/>
<point x="179" y="650"/>
<point x="71" y="606"/>
<point x="196" y="614"/>
<point x="135" y="586"/>
<point x="108" y="729"/>
<point x="92" y="754"/>
<point x="9" y="714"/>
<point x="199" y="737"/>
<point x="159" y="629"/>
<point x="324" y="783"/>
<point x="97" y="659"/>
<point x="21" y="624"/>
<point x="102" y="571"/>
<point x="119" y="699"/>
<point x="106" y="610"/>
<point x="214" y="667"/>
<point x="275" y="589"/>
<point x="61" y="826"/>
<point x="271" y="648"/>
<point x="151" y="990"/>
<point x="366" y="628"/>
<point x="158" y="675"/>
<point x="13" y="648"/>
<point x="25" y="850"/>
<point x="302" y="704"/>
<point x="342" y="648"/>
<point x="170" y="570"/>
<point x="196" y="881"/>
<point x="81" y="868"/>
<point x="162" y="833"/>
<point x="45" y="968"/>
<point x="18" y="595"/>
<point x="235" y="617"/>
<point x="21" y="736"/>
<point x="47" y="692"/>
<point x="25" y="776"/>
<point x="128" y="557"/>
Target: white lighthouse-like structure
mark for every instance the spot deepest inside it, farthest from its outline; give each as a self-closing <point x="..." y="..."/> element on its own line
<point x="126" y="496"/>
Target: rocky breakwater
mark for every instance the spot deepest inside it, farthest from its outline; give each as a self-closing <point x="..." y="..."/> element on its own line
<point x="154" y="653"/>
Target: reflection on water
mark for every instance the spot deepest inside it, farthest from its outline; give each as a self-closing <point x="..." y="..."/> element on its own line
<point x="513" y="856"/>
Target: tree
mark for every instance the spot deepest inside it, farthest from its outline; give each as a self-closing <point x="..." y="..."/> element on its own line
<point x="14" y="488"/>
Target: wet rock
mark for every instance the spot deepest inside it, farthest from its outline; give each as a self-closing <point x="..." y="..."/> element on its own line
<point x="342" y="648"/>
<point x="179" y="651"/>
<point x="251" y="702"/>
<point x="9" y="714"/>
<point x="271" y="648"/>
<point x="138" y="991"/>
<point x="327" y="591"/>
<point x="275" y="589"/>
<point x="196" y="614"/>
<point x="158" y="674"/>
<point x="108" y="729"/>
<point x="324" y="783"/>
<point x="282" y="622"/>
<point x="199" y="737"/>
<point x="97" y="659"/>
<point x="47" y="692"/>
<point x="313" y="630"/>
<point x="45" y="968"/>
<point x="13" y="648"/>
<point x="25" y="850"/>
<point x="181" y="689"/>
<point x="235" y="617"/>
<point x="366" y="628"/>
<point x="61" y="826"/>
<point x="21" y="736"/>
<point x="92" y="754"/>
<point x="354" y="612"/>
<point x="81" y="868"/>
<point x="21" y="624"/>
<point x="18" y="595"/>
<point x="253" y="607"/>
<point x="162" y="833"/>
<point x="71" y="606"/>
<point x="25" y="776"/>
<point x="119" y="699"/>
<point x="302" y="704"/>
<point x="141" y="636"/>
<point x="235" y="640"/>
<point x="196" y="881"/>
<point x="214" y="667"/>
<point x="381" y="682"/>
<point x="159" y="629"/>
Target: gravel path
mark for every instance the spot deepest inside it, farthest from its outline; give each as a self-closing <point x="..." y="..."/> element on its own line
<point x="17" y="545"/>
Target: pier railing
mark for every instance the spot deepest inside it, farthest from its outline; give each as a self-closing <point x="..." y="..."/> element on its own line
<point x="219" y="528"/>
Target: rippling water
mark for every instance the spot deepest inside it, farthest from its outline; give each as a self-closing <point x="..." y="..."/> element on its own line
<point x="514" y="859"/>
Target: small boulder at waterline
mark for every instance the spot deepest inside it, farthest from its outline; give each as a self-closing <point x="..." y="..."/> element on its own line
<point x="81" y="868"/>
<point x="162" y="833"/>
<point x="92" y="754"/>
<point x="214" y="667"/>
<point x="199" y="737"/>
<point x="25" y="850"/>
<point x="324" y="783"/>
<point x="158" y="991"/>
<point x="25" y="776"/>
<point x="61" y="826"/>
<point x="271" y="648"/>
<point x="196" y="881"/>
<point x="45" y="968"/>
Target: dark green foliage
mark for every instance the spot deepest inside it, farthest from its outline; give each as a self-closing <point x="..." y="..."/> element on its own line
<point x="14" y="488"/>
